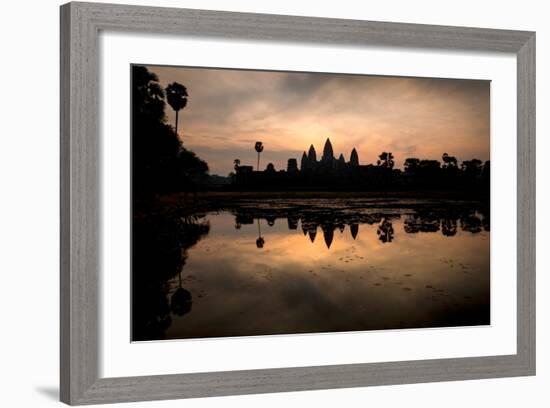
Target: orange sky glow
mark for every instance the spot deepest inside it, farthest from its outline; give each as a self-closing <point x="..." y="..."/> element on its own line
<point x="229" y="110"/>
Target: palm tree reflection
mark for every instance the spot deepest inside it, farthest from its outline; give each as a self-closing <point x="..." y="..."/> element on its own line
<point x="260" y="241"/>
<point x="181" y="300"/>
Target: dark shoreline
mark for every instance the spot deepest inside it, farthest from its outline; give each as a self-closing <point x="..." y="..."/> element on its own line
<point x="280" y="203"/>
<point x="223" y="198"/>
<point x="427" y="194"/>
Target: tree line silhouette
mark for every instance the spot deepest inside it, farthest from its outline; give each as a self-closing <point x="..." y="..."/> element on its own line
<point x="331" y="173"/>
<point x="160" y="162"/>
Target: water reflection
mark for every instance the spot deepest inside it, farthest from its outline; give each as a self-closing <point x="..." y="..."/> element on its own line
<point x="385" y="231"/>
<point x="259" y="269"/>
<point x="181" y="300"/>
<point x="260" y="241"/>
<point x="160" y="245"/>
<point x="473" y="222"/>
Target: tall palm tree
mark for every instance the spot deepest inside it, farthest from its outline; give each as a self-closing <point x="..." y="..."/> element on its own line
<point x="259" y="148"/>
<point x="176" y="95"/>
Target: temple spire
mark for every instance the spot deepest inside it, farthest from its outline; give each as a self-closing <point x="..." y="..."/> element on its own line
<point x="303" y="162"/>
<point x="328" y="234"/>
<point x="328" y="153"/>
<point x="354" y="158"/>
<point x="311" y="155"/>
<point x="354" y="229"/>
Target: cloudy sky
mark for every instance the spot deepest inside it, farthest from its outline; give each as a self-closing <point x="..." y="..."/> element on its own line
<point x="229" y="110"/>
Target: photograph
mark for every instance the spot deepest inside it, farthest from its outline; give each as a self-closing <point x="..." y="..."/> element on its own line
<point x="281" y="202"/>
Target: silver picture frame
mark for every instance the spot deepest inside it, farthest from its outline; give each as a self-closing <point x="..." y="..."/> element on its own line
<point x="81" y="24"/>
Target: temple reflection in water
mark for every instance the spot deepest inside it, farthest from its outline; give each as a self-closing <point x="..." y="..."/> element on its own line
<point x="257" y="268"/>
<point x="448" y="225"/>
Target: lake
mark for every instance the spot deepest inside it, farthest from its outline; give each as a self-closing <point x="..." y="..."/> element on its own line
<point x="261" y="267"/>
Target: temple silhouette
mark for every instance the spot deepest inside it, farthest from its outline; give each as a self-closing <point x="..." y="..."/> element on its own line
<point x="331" y="174"/>
<point x="328" y="163"/>
<point x="328" y="172"/>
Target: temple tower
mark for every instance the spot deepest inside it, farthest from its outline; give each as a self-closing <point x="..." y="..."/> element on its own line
<point x="354" y="158"/>
<point x="303" y="162"/>
<point x="292" y="166"/>
<point x="312" y="156"/>
<point x="328" y="153"/>
<point x="341" y="162"/>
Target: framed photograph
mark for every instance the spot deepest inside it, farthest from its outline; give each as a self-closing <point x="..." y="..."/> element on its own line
<point x="260" y="203"/>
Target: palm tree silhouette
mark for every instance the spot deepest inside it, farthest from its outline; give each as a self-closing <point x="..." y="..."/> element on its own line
<point x="259" y="148"/>
<point x="176" y="95"/>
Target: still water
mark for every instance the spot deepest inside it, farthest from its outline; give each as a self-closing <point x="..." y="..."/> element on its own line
<point x="268" y="269"/>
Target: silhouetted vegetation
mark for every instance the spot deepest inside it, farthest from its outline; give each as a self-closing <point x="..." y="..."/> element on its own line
<point x="259" y="147"/>
<point x="176" y="95"/>
<point x="386" y="160"/>
<point x="385" y="231"/>
<point x="160" y="163"/>
<point x="160" y="245"/>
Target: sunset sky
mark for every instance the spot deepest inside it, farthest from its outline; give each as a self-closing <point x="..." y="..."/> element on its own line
<point x="229" y="110"/>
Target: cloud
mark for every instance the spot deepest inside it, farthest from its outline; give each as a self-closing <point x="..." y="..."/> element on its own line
<point x="230" y="109"/>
